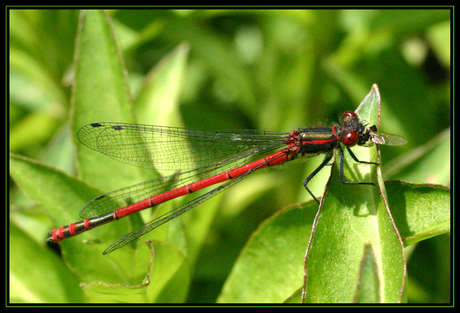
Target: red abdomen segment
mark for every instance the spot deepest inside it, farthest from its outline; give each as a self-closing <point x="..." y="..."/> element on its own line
<point x="74" y="229"/>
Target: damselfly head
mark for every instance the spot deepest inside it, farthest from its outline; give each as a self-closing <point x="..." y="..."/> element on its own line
<point x="349" y="119"/>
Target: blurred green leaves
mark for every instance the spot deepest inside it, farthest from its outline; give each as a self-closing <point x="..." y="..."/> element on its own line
<point x="266" y="69"/>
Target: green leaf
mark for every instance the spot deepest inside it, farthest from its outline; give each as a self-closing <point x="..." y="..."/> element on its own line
<point x="368" y="284"/>
<point x="60" y="195"/>
<point x="31" y="284"/>
<point x="99" y="70"/>
<point x="158" y="100"/>
<point x="351" y="217"/>
<point x="165" y="279"/>
<point x="420" y="211"/>
<point x="270" y="267"/>
<point x="100" y="94"/>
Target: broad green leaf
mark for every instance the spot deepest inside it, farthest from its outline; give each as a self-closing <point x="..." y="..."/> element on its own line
<point x="351" y="217"/>
<point x="158" y="100"/>
<point x="270" y="267"/>
<point x="420" y="211"/>
<point x="62" y="196"/>
<point x="29" y="284"/>
<point x="165" y="278"/>
<point x="100" y="94"/>
<point x="58" y="196"/>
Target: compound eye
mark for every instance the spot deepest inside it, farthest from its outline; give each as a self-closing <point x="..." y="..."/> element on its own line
<point x="350" y="139"/>
<point x="347" y="118"/>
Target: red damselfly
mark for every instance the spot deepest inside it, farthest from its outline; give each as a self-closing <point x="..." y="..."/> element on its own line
<point x="205" y="158"/>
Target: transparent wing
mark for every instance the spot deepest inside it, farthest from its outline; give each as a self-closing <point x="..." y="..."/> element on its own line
<point x="387" y="139"/>
<point x="175" y="148"/>
<point x="197" y="153"/>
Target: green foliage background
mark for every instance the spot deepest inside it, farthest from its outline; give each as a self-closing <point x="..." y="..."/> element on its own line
<point x="271" y="69"/>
